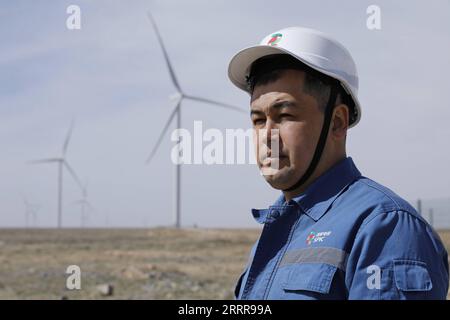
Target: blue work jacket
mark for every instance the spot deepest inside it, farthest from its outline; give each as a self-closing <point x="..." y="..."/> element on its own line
<point x="345" y="237"/>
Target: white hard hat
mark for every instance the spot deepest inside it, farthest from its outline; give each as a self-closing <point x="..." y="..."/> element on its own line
<point x="315" y="49"/>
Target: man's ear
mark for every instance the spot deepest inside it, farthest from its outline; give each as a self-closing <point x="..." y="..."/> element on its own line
<point x="339" y="124"/>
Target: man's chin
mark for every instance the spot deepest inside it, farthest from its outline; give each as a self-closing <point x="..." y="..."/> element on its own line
<point x="279" y="181"/>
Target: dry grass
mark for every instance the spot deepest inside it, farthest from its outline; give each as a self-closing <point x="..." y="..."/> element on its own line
<point x="140" y="263"/>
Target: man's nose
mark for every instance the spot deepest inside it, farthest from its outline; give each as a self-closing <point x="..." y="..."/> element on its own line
<point x="271" y="132"/>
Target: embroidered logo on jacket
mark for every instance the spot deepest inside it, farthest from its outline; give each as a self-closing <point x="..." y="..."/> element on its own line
<point x="314" y="237"/>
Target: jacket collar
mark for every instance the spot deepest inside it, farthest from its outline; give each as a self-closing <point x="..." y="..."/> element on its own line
<point x="318" y="197"/>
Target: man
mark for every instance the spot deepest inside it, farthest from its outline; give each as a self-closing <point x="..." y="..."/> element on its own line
<point x="333" y="233"/>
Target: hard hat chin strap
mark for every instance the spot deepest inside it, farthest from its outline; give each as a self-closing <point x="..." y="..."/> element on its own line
<point x="322" y="139"/>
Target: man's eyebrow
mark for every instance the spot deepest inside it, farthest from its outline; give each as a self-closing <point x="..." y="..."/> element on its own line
<point x="253" y="111"/>
<point x="276" y="105"/>
<point x="283" y="104"/>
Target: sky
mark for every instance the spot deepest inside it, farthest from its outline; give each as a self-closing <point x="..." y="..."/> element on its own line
<point x="110" y="77"/>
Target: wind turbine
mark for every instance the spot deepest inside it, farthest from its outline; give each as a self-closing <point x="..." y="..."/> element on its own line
<point x="31" y="210"/>
<point x="177" y="98"/>
<point x="62" y="163"/>
<point x="85" y="205"/>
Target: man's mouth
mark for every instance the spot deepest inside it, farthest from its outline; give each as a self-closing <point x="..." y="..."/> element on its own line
<point x="266" y="161"/>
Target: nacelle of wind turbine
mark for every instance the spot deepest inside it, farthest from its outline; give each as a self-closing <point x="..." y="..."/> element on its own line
<point x="175" y="97"/>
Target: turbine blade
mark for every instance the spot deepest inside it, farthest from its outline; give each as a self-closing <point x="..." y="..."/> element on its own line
<point x="74" y="175"/>
<point x="69" y="134"/>
<point x="44" y="160"/>
<point x="161" y="136"/>
<point x="166" y="56"/>
<point x="220" y="104"/>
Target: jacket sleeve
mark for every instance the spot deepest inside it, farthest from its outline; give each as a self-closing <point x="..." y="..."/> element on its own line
<point x="397" y="255"/>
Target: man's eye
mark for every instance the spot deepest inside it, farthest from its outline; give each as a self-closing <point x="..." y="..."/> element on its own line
<point x="258" y="121"/>
<point x="286" y="116"/>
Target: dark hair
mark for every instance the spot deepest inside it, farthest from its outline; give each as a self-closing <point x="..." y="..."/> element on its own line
<point x="270" y="68"/>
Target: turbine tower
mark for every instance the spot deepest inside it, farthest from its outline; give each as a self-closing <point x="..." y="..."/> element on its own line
<point x="62" y="163"/>
<point x="31" y="211"/>
<point x="85" y="206"/>
<point x="177" y="98"/>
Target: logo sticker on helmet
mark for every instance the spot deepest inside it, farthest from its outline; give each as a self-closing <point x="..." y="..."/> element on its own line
<point x="276" y="37"/>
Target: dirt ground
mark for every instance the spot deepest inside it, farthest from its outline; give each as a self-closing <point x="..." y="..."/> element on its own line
<point x="158" y="263"/>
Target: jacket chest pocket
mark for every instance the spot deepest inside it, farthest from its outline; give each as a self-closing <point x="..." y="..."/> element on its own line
<point x="309" y="281"/>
